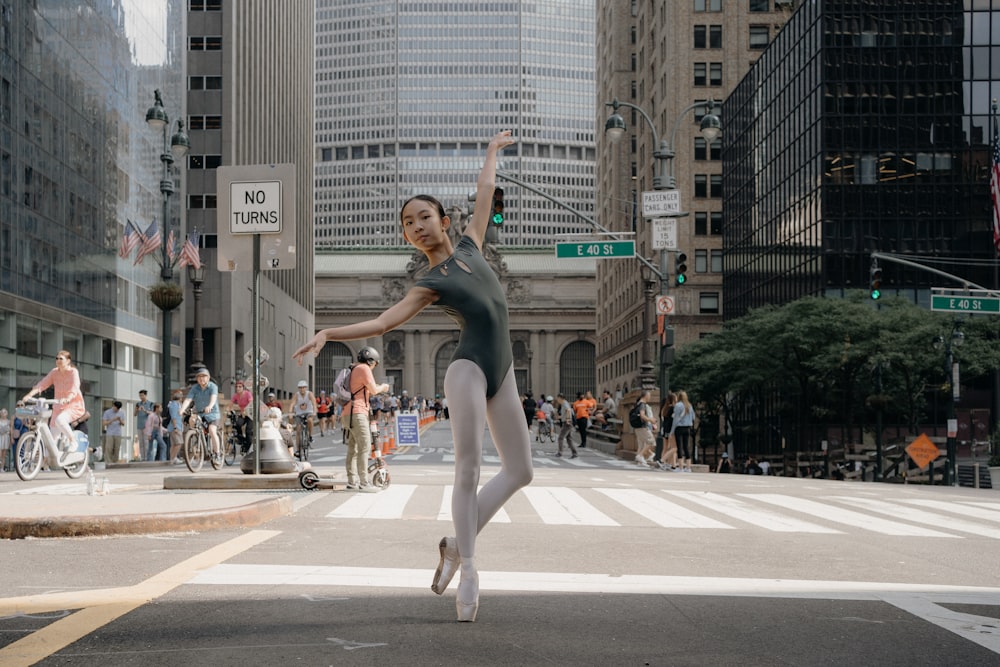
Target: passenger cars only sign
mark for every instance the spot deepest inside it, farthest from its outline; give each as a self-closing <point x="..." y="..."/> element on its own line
<point x="255" y="207"/>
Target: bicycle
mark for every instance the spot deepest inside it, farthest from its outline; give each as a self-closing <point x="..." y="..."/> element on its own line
<point x="198" y="444"/>
<point x="235" y="443"/>
<point x="544" y="430"/>
<point x="38" y="444"/>
<point x="303" y="438"/>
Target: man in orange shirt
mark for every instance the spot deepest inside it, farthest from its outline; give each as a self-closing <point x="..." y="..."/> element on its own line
<point x="583" y="408"/>
<point x="355" y="419"/>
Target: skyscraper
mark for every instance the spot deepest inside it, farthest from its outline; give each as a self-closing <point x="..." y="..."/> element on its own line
<point x="408" y="94"/>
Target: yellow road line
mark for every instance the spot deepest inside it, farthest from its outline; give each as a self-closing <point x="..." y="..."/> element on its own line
<point x="101" y="606"/>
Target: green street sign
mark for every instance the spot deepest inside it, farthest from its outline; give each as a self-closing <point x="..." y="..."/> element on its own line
<point x="595" y="249"/>
<point x="965" y="304"/>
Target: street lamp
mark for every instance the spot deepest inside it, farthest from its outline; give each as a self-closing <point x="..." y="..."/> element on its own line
<point x="951" y="373"/>
<point x="197" y="278"/>
<point x="663" y="179"/>
<point x="170" y="298"/>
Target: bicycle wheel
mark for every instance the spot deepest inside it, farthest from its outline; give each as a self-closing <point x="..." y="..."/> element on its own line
<point x="304" y="448"/>
<point x="380" y="478"/>
<point x="230" y="456"/>
<point x="28" y="456"/>
<point x="76" y="470"/>
<point x="194" y="450"/>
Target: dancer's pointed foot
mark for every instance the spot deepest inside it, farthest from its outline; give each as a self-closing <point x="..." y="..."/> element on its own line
<point x="448" y="565"/>
<point x="467" y="600"/>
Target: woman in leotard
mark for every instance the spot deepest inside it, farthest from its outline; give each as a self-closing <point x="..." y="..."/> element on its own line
<point x="479" y="384"/>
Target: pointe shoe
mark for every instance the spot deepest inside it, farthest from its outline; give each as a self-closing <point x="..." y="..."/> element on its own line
<point x="467" y="600"/>
<point x="448" y="565"/>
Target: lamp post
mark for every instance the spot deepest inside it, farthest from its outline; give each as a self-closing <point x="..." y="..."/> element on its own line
<point x="166" y="298"/>
<point x="197" y="278"/>
<point x="663" y="179"/>
<point x="951" y="374"/>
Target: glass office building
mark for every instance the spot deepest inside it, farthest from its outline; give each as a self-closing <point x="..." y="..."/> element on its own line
<point x="77" y="160"/>
<point x="865" y="127"/>
<point x="408" y="95"/>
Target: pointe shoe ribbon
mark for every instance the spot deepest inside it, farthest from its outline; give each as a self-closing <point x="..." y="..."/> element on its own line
<point x="448" y="565"/>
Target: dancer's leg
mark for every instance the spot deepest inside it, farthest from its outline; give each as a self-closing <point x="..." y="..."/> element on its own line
<point x="513" y="446"/>
<point x="465" y="388"/>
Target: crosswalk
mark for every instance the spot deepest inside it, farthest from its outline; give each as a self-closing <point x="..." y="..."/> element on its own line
<point x="701" y="510"/>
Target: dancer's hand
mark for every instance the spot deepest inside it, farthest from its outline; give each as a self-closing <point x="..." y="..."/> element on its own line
<point x="502" y="140"/>
<point x="314" y="345"/>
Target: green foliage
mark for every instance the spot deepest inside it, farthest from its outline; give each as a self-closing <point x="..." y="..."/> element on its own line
<point x="824" y="360"/>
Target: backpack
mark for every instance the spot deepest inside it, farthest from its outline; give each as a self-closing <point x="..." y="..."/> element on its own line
<point x="342" y="386"/>
<point x="635" y="416"/>
<point x="165" y="420"/>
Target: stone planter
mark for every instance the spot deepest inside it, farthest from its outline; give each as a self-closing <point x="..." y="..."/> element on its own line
<point x="166" y="296"/>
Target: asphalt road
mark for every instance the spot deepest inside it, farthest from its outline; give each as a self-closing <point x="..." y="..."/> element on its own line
<point x="596" y="563"/>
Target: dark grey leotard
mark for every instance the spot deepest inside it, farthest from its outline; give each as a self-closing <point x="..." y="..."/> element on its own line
<point x="473" y="297"/>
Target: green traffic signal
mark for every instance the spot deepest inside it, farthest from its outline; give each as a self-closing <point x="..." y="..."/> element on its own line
<point x="680" y="269"/>
<point x="497" y="216"/>
<point x="875" y="282"/>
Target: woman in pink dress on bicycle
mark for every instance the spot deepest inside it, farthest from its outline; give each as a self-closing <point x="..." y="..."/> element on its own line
<point x="69" y="407"/>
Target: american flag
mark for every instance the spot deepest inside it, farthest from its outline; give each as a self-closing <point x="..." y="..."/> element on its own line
<point x="150" y="242"/>
<point x="130" y="239"/>
<point x="995" y="186"/>
<point x="171" y="247"/>
<point x="189" y="252"/>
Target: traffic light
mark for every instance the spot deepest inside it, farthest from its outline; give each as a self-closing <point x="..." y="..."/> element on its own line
<point x="875" y="282"/>
<point x="680" y="269"/>
<point x="496" y="217"/>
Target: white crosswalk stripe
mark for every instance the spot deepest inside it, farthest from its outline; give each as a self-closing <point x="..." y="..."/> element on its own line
<point x="707" y="510"/>
<point x="844" y="516"/>
<point x="762" y="517"/>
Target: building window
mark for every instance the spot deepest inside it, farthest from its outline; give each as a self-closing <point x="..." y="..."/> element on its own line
<point x="760" y="35"/>
<point x="716" y="257"/>
<point x="708" y="5"/>
<point x="204" y="161"/>
<point x="716" y="185"/>
<point x="205" y="83"/>
<point x="700" y="185"/>
<point x="205" y="5"/>
<point x="700" y="37"/>
<point x="700" y="74"/>
<point x="701" y="223"/>
<point x="708" y="303"/>
<point x="700" y="261"/>
<point x="205" y="122"/>
<point x="760" y="5"/>
<point x="715" y="74"/>
<point x="705" y="151"/>
<point x="201" y="201"/>
<point x="205" y="43"/>
<point x="715" y="229"/>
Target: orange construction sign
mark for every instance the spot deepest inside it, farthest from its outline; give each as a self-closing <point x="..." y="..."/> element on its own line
<point x="923" y="451"/>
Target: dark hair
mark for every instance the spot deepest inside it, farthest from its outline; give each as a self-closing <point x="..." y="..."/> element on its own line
<point x="427" y="198"/>
<point x="117" y="404"/>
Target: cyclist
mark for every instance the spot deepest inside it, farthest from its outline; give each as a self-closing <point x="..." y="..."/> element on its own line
<point x="69" y="407"/>
<point x="303" y="404"/>
<point x="242" y="398"/>
<point x="205" y="396"/>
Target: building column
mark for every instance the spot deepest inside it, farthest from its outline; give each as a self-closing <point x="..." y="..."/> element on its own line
<point x="410" y="353"/>
<point x="426" y="368"/>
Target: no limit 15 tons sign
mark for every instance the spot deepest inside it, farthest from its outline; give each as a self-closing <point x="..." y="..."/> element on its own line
<point x="256" y="202"/>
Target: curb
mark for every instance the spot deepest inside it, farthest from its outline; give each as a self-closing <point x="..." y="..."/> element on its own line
<point x="252" y="514"/>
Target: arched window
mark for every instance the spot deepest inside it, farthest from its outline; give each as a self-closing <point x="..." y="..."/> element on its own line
<point x="331" y="359"/>
<point x="577" y="369"/>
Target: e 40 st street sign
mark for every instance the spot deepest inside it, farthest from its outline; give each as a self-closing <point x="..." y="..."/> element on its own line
<point x="965" y="304"/>
<point x="595" y="249"/>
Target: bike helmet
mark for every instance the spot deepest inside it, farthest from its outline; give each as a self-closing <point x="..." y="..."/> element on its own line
<point x="367" y="354"/>
<point x="303" y="383"/>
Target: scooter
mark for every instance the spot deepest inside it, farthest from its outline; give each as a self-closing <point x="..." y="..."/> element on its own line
<point x="39" y="445"/>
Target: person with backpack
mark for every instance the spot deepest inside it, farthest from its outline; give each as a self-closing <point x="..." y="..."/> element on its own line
<point x="479" y="383"/>
<point x="356" y="418"/>
<point x="641" y="419"/>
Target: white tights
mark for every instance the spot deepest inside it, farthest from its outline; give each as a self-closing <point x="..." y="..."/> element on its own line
<point x="469" y="412"/>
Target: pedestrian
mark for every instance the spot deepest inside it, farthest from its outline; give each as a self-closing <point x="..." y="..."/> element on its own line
<point x="204" y="395"/>
<point x="113" y="421"/>
<point x="4" y="439"/>
<point x="155" y="447"/>
<point x="581" y="414"/>
<point x="303" y="405"/>
<point x="175" y="429"/>
<point x="405" y="403"/>
<point x="606" y="411"/>
<point x="143" y="408"/>
<point x="323" y="406"/>
<point x="273" y="402"/>
<point x="530" y="407"/>
<point x="69" y="406"/>
<point x="566" y="422"/>
<point x="357" y="417"/>
<point x="243" y="399"/>
<point x="666" y="444"/>
<point x="644" y="442"/>
<point x="681" y="429"/>
<point x="724" y="465"/>
<point x="479" y="382"/>
<point x="765" y="466"/>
